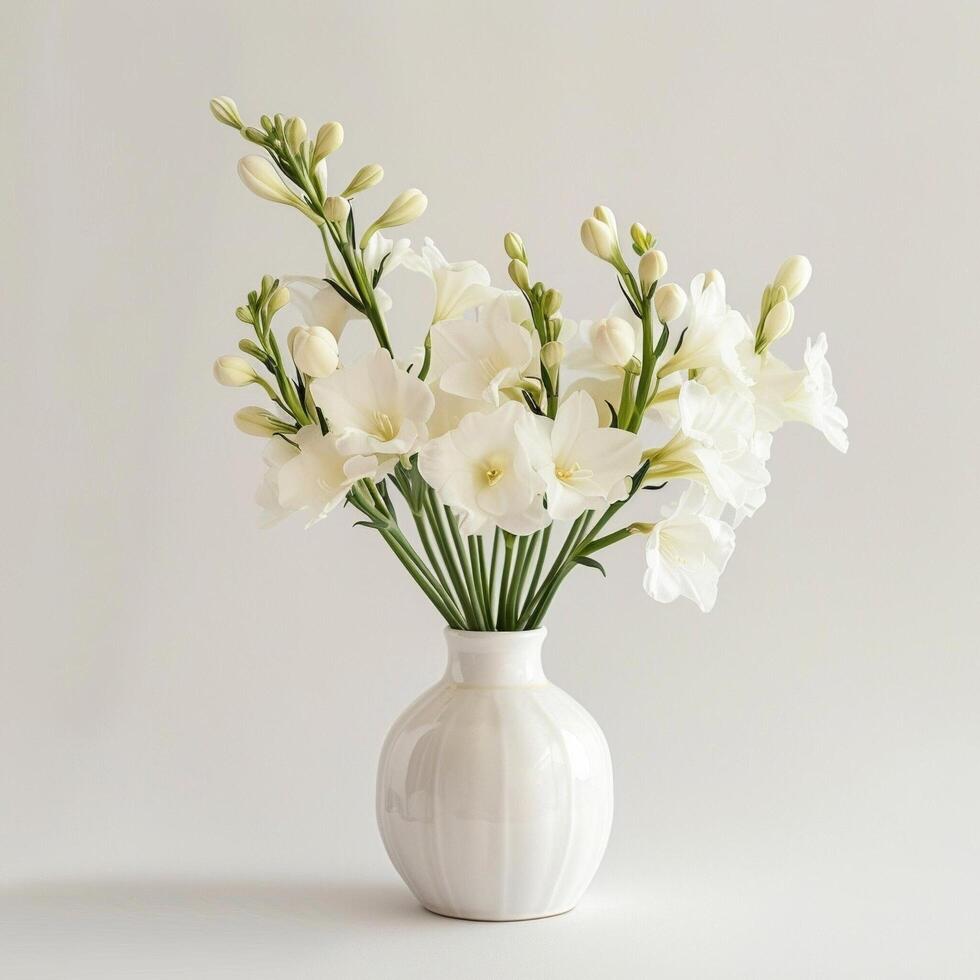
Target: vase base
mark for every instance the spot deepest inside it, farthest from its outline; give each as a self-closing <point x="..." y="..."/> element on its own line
<point x="446" y="914"/>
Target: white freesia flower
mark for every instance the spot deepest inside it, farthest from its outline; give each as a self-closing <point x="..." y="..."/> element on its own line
<point x="318" y="477"/>
<point x="713" y="444"/>
<point x="459" y="285"/>
<point x="712" y="334"/>
<point x="582" y="466"/>
<point x="277" y="453"/>
<point x="481" y="470"/>
<point x="784" y="395"/>
<point x="484" y="358"/>
<point x="375" y="408"/>
<point x="687" y="551"/>
<point x="751" y="465"/>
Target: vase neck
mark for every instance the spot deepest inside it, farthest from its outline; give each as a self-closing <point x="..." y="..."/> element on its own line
<point x="495" y="659"/>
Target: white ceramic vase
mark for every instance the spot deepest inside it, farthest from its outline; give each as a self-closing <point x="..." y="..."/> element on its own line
<point x="495" y="793"/>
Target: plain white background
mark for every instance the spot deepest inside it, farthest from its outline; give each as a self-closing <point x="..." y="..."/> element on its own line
<point x="191" y="709"/>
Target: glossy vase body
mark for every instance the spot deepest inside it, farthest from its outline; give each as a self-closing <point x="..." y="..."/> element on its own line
<point x="495" y="793"/>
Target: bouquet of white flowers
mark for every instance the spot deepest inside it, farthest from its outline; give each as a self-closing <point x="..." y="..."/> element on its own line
<point x="509" y="419"/>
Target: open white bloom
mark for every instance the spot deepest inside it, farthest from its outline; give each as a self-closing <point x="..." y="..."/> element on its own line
<point x="751" y="465"/>
<point x="481" y="470"/>
<point x="582" y="466"/>
<point x="375" y="408"/>
<point x="450" y="410"/>
<point x="784" y="395"/>
<point x="712" y="334"/>
<point x="277" y="453"/>
<point x="481" y="359"/>
<point x="318" y="477"/>
<point x="459" y="285"/>
<point x="687" y="551"/>
<point x="713" y="445"/>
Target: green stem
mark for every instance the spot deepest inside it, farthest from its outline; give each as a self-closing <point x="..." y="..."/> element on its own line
<point x="502" y="621"/>
<point x="464" y="561"/>
<point x="494" y="583"/>
<point x="538" y="568"/>
<point x="433" y="512"/>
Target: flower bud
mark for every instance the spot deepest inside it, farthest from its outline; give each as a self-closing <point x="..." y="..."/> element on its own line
<point x="278" y="300"/>
<point x="255" y="421"/>
<point x="606" y="216"/>
<point x="225" y="111"/>
<point x="669" y="301"/>
<point x="793" y="275"/>
<point x="244" y="314"/>
<point x="517" y="271"/>
<point x="613" y="341"/>
<point x="714" y="277"/>
<point x="408" y="206"/>
<point x="653" y="266"/>
<point x="366" y="177"/>
<point x="642" y="239"/>
<point x="314" y="350"/>
<point x="778" y="322"/>
<point x="262" y="179"/>
<point x="295" y="133"/>
<point x="336" y="209"/>
<point x="552" y="354"/>
<point x="328" y="138"/>
<point x="598" y="239"/>
<point x="254" y="135"/>
<point x="551" y="302"/>
<point x="514" y="247"/>
<point x="234" y="372"/>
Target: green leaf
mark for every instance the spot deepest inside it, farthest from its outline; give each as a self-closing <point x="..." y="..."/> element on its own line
<point x="615" y="415"/>
<point x="346" y="296"/>
<point x="371" y="524"/>
<point x="590" y="562"/>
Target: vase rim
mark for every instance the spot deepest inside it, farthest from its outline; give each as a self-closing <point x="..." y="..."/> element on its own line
<point x="539" y="631"/>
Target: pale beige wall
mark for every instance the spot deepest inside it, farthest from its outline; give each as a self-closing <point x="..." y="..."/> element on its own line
<point x="183" y="692"/>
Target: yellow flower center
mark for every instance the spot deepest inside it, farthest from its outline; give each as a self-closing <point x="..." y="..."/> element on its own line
<point x="569" y="471"/>
<point x="384" y="427"/>
<point x="493" y="475"/>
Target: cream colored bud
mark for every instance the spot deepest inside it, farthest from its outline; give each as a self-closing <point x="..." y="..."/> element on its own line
<point x="408" y="206"/>
<point x="278" y="300"/>
<point x="366" y="177"/>
<point x="552" y="354"/>
<point x="606" y="216"/>
<point x="714" y="277"/>
<point x="514" y="247"/>
<point x="598" y="239"/>
<point x="295" y="133"/>
<point x="244" y="314"/>
<point x="793" y="275"/>
<point x="778" y="322"/>
<point x="653" y="266"/>
<point x="225" y="111"/>
<point x="262" y="179"/>
<point x="314" y="350"/>
<point x="329" y="138"/>
<point x="517" y="271"/>
<point x="669" y="301"/>
<point x="234" y="372"/>
<point x="336" y="209"/>
<point x="614" y="341"/>
<point x="256" y="421"/>
<point x="642" y="239"/>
